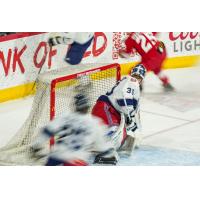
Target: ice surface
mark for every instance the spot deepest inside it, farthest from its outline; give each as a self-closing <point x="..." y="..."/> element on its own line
<point x="170" y="121"/>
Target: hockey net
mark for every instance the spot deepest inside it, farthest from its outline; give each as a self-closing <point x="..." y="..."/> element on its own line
<point x="54" y="96"/>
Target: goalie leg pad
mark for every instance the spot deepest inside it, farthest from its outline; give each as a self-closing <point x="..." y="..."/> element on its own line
<point x="128" y="146"/>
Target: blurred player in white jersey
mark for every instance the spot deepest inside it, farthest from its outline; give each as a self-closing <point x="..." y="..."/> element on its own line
<point x="120" y="110"/>
<point x="78" y="136"/>
<point x="78" y="43"/>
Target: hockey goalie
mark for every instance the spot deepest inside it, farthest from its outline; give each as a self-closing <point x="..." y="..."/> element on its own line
<point x="120" y="111"/>
<point x="81" y="138"/>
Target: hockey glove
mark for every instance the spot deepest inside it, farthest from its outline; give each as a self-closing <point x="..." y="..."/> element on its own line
<point x="55" y="41"/>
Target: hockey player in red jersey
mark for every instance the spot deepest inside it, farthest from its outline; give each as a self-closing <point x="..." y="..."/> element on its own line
<point x="152" y="52"/>
<point x="119" y="109"/>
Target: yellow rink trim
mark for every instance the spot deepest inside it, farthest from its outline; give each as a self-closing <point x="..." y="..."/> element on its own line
<point x="16" y="92"/>
<point x="94" y="76"/>
<point x="27" y="89"/>
<point x="170" y="63"/>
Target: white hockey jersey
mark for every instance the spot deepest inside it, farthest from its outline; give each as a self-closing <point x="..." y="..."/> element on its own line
<point x="76" y="136"/>
<point x="82" y="37"/>
<point x="78" y="37"/>
<point x="124" y="96"/>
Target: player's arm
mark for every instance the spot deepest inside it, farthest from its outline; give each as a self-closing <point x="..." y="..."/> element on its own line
<point x="127" y="46"/>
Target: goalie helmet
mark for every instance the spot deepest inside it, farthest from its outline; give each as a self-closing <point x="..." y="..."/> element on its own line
<point x="139" y="70"/>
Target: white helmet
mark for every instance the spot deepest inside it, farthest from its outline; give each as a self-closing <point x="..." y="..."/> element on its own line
<point x="139" y="70"/>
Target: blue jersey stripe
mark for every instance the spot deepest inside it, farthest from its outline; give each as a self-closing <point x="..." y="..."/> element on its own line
<point x="129" y="102"/>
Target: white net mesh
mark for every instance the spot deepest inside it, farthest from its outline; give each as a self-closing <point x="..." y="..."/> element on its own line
<point x="17" y="151"/>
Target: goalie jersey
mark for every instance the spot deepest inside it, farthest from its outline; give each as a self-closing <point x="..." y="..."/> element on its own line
<point x="124" y="96"/>
<point x="119" y="109"/>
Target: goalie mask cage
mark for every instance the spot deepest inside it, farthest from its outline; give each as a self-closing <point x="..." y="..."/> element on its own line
<point x="54" y="96"/>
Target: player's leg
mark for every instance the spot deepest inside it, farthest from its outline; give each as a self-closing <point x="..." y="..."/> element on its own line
<point x="161" y="57"/>
<point x="164" y="79"/>
<point x="134" y="137"/>
<point x="155" y="64"/>
<point x="111" y="117"/>
<point x="76" y="52"/>
<point x="115" y="135"/>
<point x="106" y="113"/>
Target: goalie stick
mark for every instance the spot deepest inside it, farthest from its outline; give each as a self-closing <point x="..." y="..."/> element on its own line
<point x="34" y="84"/>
